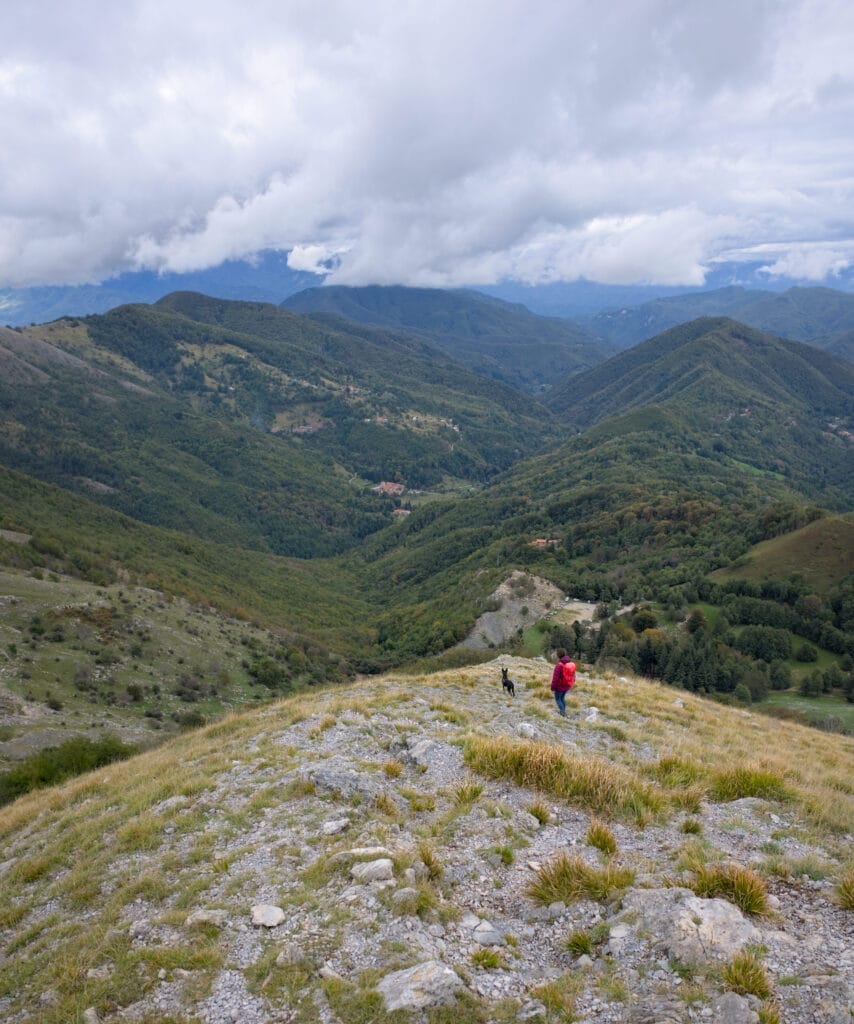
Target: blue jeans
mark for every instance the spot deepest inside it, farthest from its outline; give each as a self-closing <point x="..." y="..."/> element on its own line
<point x="560" y="700"/>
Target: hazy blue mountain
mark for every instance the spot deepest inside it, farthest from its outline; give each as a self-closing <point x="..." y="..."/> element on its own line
<point x="580" y="300"/>
<point x="814" y="315"/>
<point x="266" y="279"/>
<point x="492" y="337"/>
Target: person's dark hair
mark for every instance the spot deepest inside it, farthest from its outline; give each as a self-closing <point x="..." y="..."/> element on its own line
<point x="561" y="653"/>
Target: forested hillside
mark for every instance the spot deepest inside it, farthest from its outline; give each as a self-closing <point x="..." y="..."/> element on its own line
<point x="247" y="424"/>
<point x="776" y="406"/>
<point x="498" y="339"/>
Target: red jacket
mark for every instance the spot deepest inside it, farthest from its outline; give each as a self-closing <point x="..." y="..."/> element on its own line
<point x="558" y="682"/>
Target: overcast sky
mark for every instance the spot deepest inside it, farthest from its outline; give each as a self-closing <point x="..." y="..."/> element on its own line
<point x="432" y="143"/>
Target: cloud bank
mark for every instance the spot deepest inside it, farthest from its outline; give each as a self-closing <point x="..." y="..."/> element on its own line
<point x="445" y="144"/>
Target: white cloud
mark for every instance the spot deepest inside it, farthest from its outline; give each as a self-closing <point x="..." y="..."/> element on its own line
<point x="428" y="144"/>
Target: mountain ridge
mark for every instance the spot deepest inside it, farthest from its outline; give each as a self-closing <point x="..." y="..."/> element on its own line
<point x="493" y="337"/>
<point x="822" y="317"/>
<point x="295" y="861"/>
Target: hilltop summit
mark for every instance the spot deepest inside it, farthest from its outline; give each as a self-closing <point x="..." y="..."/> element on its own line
<point x="425" y="848"/>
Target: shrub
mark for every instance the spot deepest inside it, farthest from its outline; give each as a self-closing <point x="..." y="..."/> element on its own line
<point x="188" y="719"/>
<point x="742" y="694"/>
<point x="732" y="882"/>
<point x="644" y="618"/>
<point x="73" y="757"/>
<point x="806" y="653"/>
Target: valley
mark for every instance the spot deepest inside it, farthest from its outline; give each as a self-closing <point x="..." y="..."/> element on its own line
<point x="352" y="493"/>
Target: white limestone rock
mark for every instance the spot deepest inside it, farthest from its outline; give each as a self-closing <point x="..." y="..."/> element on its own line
<point x="381" y="870"/>
<point x="265" y="915"/>
<point x="693" y="929"/>
<point x="429" y="984"/>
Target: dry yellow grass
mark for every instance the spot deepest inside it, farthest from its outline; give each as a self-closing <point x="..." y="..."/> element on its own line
<point x="65" y="838"/>
<point x="590" y="782"/>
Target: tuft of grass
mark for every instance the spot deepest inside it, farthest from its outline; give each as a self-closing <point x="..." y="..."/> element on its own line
<point x="393" y="768"/>
<point x="845" y="890"/>
<point x="589" y="782"/>
<point x="746" y="975"/>
<point x="488" y="959"/>
<point x="584" y="941"/>
<point x="30" y="869"/>
<point x="422" y="903"/>
<point x="418" y="800"/>
<point x="505" y="853"/>
<point x="386" y="805"/>
<point x="769" y="1013"/>
<point x="560" y="996"/>
<point x="677" y="772"/>
<point x="466" y="793"/>
<point x="691" y="827"/>
<point x="600" y="836"/>
<point x="145" y="832"/>
<point x="431" y="861"/>
<point x="326" y="722"/>
<point x="745" y="780"/>
<point x="732" y="882"/>
<point x="568" y="877"/>
<point x="539" y="810"/>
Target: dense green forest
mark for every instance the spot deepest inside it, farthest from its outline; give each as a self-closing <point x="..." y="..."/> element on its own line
<point x="265" y="439"/>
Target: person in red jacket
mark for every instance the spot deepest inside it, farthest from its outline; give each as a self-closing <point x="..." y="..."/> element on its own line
<point x="563" y="679"/>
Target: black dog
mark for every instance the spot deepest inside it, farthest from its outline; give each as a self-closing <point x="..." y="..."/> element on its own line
<point x="507" y="683"/>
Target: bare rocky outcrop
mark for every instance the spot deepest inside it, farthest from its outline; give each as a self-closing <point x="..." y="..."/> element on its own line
<point x="520" y="601"/>
<point x="692" y="929"/>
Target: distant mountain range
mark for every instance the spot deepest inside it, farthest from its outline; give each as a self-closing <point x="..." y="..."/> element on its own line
<point x="268" y="278"/>
<point x="821" y="316"/>
<point x="491" y="337"/>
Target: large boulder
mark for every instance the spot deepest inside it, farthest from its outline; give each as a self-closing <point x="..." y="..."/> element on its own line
<point x="692" y="929"/>
<point x="429" y="984"/>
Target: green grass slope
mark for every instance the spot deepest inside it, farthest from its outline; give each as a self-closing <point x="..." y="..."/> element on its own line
<point x="822" y="552"/>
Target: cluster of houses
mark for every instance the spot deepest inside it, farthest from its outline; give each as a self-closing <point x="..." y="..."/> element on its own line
<point x="395" y="490"/>
<point x="388" y="487"/>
